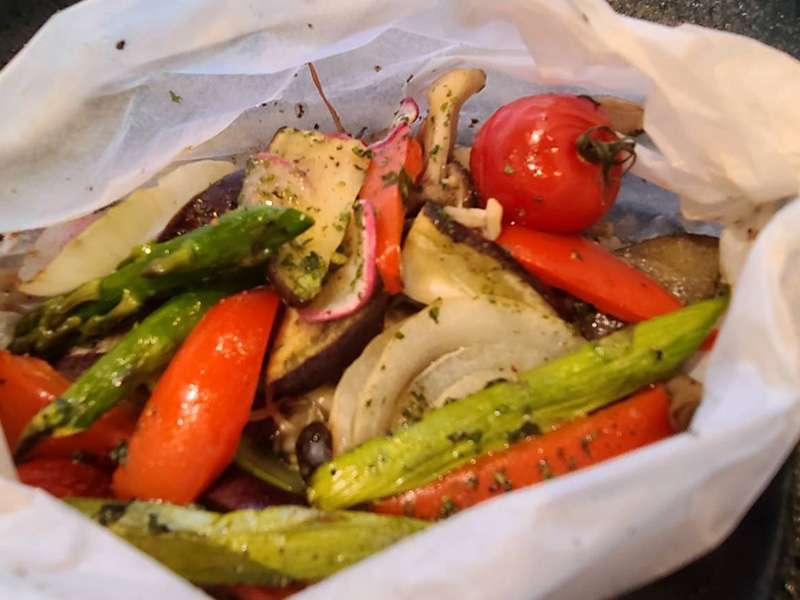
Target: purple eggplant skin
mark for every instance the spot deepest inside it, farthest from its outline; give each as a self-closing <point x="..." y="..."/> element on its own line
<point x="217" y="199"/>
<point x="307" y="355"/>
<point x="236" y="490"/>
<point x="464" y="235"/>
<point x="72" y="366"/>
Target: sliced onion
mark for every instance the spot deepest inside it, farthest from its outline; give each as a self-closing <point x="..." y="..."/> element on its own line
<point x="367" y="395"/>
<point x="466" y="370"/>
<point x="101" y="246"/>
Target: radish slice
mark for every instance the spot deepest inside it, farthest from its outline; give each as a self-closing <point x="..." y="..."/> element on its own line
<point x="99" y="248"/>
<point x="401" y="125"/>
<point x="349" y="288"/>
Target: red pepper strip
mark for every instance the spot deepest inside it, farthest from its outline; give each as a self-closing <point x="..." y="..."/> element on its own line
<point x="190" y="428"/>
<point x="260" y="592"/>
<point x="382" y="188"/>
<point x="29" y="384"/>
<point x="588" y="271"/>
<point x="640" y="420"/>
<point x="62" y="477"/>
<point x="708" y="343"/>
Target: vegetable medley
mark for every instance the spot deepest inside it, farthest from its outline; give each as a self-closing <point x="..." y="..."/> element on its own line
<point x="317" y="355"/>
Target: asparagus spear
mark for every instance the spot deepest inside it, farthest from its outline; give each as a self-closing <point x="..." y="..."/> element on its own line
<point x="241" y="238"/>
<point x="269" y="546"/>
<point x="599" y="373"/>
<point x="145" y="350"/>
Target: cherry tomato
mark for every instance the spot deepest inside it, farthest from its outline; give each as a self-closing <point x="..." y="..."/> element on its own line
<point x="553" y="161"/>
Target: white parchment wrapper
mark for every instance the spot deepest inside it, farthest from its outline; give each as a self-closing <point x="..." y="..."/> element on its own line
<point x="84" y="123"/>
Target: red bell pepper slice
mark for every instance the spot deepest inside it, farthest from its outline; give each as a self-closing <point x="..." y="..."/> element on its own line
<point x="398" y="156"/>
<point x="62" y="477"/>
<point x="588" y="271"/>
<point x="27" y="385"/>
<point x="640" y="420"/>
<point x="190" y="428"/>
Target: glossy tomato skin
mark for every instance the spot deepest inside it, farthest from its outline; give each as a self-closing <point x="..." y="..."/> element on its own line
<point x="525" y="156"/>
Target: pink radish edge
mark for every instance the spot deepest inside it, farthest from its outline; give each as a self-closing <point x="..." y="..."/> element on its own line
<point x="353" y="297"/>
<point x="272" y="158"/>
<point x="408" y="113"/>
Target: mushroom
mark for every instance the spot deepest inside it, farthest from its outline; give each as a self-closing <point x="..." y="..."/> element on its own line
<point x="443" y="180"/>
<point x="626" y="116"/>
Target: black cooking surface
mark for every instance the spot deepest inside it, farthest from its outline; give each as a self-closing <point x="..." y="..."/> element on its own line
<point x="762" y="558"/>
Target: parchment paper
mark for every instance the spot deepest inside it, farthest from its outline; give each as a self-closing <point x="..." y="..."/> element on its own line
<point x="84" y="123"/>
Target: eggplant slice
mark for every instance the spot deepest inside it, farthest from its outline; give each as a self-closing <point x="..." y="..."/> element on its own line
<point x="210" y="204"/>
<point x="307" y="355"/>
<point x="443" y="259"/>
<point x="685" y="265"/>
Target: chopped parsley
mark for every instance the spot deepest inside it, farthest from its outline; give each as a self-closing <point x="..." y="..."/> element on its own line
<point x="433" y="311"/>
<point x="362" y="152"/>
<point x="175" y="97"/>
<point x="448" y="507"/>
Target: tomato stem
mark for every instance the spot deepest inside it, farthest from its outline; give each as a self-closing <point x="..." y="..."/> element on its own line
<point x="618" y="151"/>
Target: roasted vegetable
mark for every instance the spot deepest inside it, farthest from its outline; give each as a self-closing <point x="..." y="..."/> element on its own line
<point x="62" y="477"/>
<point x="354" y="282"/>
<point x="444" y="259"/>
<point x="685" y="265"/>
<point x="396" y="163"/>
<point x="685" y="394"/>
<point x="466" y="370"/>
<point x="319" y="175"/>
<point x="632" y="423"/>
<point x="588" y="379"/>
<point x="268" y="467"/>
<point x="626" y="116"/>
<point x="242" y="238"/>
<point x="442" y="180"/>
<point x="146" y="349"/>
<point x="27" y="385"/>
<point x="236" y="489"/>
<point x="269" y="546"/>
<point x="99" y="248"/>
<point x="219" y="198"/>
<point x="588" y="271"/>
<point x="366" y="401"/>
<point x="192" y="423"/>
<point x="306" y="355"/>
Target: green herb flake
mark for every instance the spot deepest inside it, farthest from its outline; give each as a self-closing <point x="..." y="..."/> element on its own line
<point x="175" y="97"/>
<point x="448" y="507"/>
<point x="435" y="150"/>
<point x="119" y="453"/>
<point x="503" y="481"/>
<point x="433" y="311"/>
<point x="108" y="514"/>
<point x="508" y="169"/>
<point x="399" y="335"/>
<point x="311" y="262"/>
<point x="544" y="470"/>
<point x="390" y="178"/>
<point x="362" y="152"/>
<point x="526" y="430"/>
<point x="155" y="526"/>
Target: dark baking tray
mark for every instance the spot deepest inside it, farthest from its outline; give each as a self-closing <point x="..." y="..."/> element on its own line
<point x="761" y="559"/>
